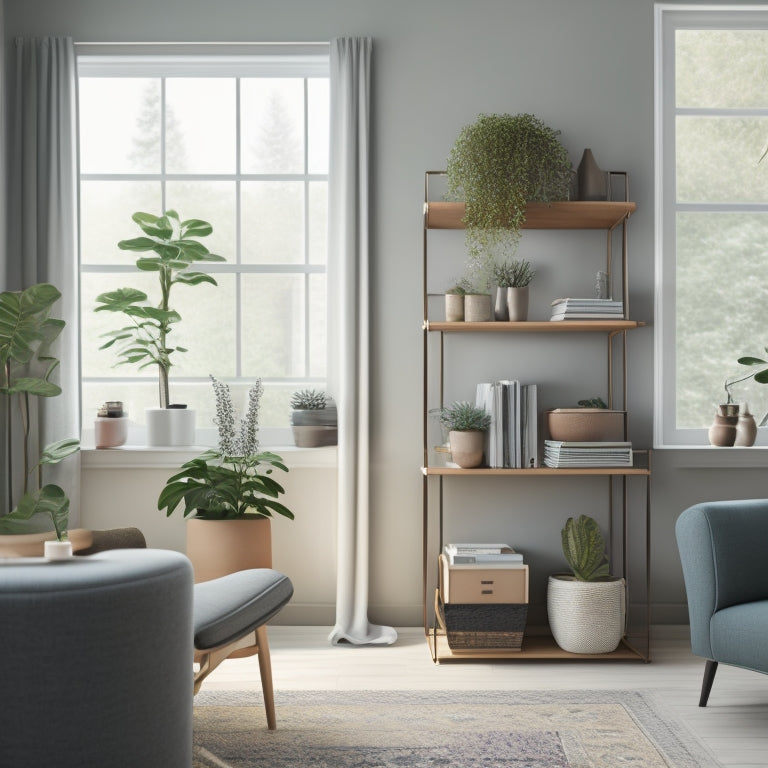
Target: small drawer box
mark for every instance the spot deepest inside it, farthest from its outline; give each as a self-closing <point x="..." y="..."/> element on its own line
<point x="477" y="584"/>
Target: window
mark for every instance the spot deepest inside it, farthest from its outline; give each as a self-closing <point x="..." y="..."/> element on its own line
<point x="240" y="141"/>
<point x="712" y="213"/>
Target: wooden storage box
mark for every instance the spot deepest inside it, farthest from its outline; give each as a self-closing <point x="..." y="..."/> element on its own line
<point x="482" y="608"/>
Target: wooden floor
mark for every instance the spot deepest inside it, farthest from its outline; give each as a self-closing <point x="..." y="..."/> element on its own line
<point x="734" y="725"/>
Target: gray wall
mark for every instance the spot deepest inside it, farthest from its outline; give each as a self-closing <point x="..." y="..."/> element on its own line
<point x="583" y="66"/>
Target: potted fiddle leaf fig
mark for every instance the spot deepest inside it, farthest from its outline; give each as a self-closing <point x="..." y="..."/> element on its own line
<point x="466" y="425"/>
<point x="587" y="607"/>
<point x="169" y="247"/>
<point x="497" y="165"/>
<point x="228" y="493"/>
<point x="26" y="366"/>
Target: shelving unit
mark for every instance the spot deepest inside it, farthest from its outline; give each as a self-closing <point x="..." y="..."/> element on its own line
<point x="579" y="215"/>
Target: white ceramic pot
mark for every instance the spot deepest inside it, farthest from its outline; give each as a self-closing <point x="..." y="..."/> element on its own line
<point x="57" y="550"/>
<point x="477" y="307"/>
<point x="586" y="616"/>
<point x="170" y="426"/>
<point x="467" y="447"/>
<point x="454" y="307"/>
<point x="517" y="303"/>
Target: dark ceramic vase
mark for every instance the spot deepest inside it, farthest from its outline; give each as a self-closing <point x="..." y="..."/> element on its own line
<point x="590" y="179"/>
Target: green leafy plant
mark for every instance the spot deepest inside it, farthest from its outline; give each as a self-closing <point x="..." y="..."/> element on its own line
<point x="175" y="248"/>
<point x="593" y="402"/>
<point x="513" y="274"/>
<point x="26" y="365"/>
<point x="233" y="481"/>
<point x="584" y="548"/>
<point x="497" y="165"/>
<point x="309" y="400"/>
<point x="462" y="416"/>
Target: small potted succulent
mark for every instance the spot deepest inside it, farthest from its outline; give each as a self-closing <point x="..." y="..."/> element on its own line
<point x="466" y="425"/>
<point x="587" y="607"/>
<point x="314" y="419"/>
<point x="173" y="246"/>
<point x="454" y="302"/>
<point x="512" y="279"/>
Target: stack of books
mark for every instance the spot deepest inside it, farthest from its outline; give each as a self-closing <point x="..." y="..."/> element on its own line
<point x="587" y="309"/>
<point x="562" y="454"/>
<point x="512" y="440"/>
<point x="487" y="555"/>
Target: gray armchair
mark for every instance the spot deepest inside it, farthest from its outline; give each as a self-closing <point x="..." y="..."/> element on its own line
<point x="723" y="549"/>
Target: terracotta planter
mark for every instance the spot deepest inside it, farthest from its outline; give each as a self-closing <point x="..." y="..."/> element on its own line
<point x="467" y="447"/>
<point x="586" y="424"/>
<point x="219" y="547"/>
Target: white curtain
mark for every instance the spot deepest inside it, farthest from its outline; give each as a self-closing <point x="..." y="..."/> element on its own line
<point x="42" y="246"/>
<point x="348" y="269"/>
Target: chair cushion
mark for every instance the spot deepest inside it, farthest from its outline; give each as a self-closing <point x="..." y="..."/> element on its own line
<point x="229" y="607"/>
<point x="738" y="635"/>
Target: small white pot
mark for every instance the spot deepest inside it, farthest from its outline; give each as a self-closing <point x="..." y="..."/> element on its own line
<point x="517" y="303"/>
<point x="467" y="447"/>
<point x="170" y="426"/>
<point x="477" y="307"/>
<point x="110" y="432"/>
<point x="57" y="550"/>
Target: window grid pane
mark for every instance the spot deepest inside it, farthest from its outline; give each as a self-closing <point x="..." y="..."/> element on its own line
<point x="268" y="219"/>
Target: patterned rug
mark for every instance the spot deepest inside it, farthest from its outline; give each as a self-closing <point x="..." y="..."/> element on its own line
<point x="442" y="729"/>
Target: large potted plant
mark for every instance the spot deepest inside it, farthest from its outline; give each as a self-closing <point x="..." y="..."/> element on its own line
<point x="587" y="607"/>
<point x="228" y="494"/>
<point x="466" y="425"/>
<point x="26" y="366"/>
<point x="169" y="247"/>
<point x="497" y="165"/>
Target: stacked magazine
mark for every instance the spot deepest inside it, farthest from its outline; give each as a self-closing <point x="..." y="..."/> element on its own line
<point x="587" y="309"/>
<point x="562" y="454"/>
<point x="511" y="441"/>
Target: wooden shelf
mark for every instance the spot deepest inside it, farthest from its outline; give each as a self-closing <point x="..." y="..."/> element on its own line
<point x="537" y="326"/>
<point x="539" y="471"/>
<point x="580" y="214"/>
<point x="535" y="647"/>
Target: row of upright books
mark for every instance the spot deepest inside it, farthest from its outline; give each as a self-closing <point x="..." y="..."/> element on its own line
<point x="511" y="441"/>
<point x="572" y="454"/>
<point x="587" y="309"/>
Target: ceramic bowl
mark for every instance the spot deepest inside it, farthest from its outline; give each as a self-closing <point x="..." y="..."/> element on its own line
<point x="580" y="425"/>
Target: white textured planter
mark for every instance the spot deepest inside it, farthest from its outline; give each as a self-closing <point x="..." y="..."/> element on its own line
<point x="170" y="426"/>
<point x="477" y="307"/>
<point x="467" y="447"/>
<point x="454" y="307"/>
<point x="586" y="616"/>
<point x="57" y="550"/>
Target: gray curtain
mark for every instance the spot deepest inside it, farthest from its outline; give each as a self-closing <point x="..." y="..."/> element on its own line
<point x="41" y="236"/>
<point x="348" y="269"/>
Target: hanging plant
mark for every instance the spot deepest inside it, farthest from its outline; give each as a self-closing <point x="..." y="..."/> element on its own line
<point x="497" y="165"/>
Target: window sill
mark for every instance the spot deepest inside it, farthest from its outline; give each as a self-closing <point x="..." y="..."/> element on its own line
<point x="711" y="457"/>
<point x="144" y="457"/>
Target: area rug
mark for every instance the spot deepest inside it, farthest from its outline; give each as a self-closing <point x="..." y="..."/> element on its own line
<point x="442" y="729"/>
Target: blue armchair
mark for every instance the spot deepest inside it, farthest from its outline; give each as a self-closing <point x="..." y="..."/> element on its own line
<point x="724" y="552"/>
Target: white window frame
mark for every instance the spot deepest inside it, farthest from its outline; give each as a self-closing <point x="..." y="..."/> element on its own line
<point x="668" y="18"/>
<point x="306" y="60"/>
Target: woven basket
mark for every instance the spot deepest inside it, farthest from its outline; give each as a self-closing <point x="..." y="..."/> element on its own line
<point x="486" y="626"/>
<point x="586" y="616"/>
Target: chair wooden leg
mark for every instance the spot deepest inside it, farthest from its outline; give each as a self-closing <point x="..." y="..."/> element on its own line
<point x="709" y="678"/>
<point x="265" y="669"/>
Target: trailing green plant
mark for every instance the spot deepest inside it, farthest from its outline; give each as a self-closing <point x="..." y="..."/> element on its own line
<point x="497" y="165"/>
<point x="309" y="400"/>
<point x="233" y="481"/>
<point x="594" y="402"/>
<point x="26" y="366"/>
<point x="584" y="548"/>
<point x="462" y="416"/>
<point x="175" y="247"/>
